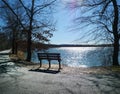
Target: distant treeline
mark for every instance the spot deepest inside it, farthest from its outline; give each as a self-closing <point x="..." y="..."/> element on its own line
<point x="81" y="45"/>
<point x="41" y="46"/>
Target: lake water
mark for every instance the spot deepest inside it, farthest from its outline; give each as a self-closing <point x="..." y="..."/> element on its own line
<point x="81" y="56"/>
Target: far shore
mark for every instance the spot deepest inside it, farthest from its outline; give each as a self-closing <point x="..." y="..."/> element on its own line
<point x="78" y="45"/>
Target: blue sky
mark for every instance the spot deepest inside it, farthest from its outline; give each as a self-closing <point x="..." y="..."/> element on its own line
<point x="64" y="19"/>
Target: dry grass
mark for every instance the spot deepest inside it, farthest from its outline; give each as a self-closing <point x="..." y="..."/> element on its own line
<point x="13" y="57"/>
<point x="115" y="68"/>
<point x="20" y="56"/>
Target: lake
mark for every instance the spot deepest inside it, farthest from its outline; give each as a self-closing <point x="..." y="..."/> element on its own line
<point x="80" y="56"/>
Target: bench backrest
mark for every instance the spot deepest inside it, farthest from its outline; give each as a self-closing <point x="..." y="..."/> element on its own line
<point x="54" y="56"/>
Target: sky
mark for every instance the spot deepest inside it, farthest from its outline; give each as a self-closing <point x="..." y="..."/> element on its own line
<point x="65" y="27"/>
<point x="64" y="18"/>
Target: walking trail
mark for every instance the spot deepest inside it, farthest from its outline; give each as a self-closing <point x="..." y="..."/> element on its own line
<point x="15" y="79"/>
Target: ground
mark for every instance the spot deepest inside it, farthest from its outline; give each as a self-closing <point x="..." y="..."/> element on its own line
<point x="30" y="79"/>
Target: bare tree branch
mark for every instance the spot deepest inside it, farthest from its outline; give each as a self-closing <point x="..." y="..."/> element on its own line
<point x="26" y="9"/>
<point x="4" y="1"/>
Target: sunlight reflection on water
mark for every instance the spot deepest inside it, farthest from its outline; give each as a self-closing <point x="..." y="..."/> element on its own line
<point x="81" y="56"/>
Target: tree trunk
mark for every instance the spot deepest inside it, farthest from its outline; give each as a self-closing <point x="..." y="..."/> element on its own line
<point x="13" y="45"/>
<point x="115" y="33"/>
<point x="13" y="42"/>
<point x="16" y="47"/>
<point x="29" y="40"/>
<point x="29" y="43"/>
<point x="116" y="52"/>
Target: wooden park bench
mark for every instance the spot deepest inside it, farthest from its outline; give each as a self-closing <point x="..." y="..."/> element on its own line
<point x="49" y="57"/>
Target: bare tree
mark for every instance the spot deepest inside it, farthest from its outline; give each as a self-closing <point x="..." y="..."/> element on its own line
<point x="32" y="22"/>
<point x="31" y="12"/>
<point x="11" y="23"/>
<point x="101" y="17"/>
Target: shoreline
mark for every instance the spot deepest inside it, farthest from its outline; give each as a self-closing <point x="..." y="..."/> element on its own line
<point x="67" y="69"/>
<point x="73" y="70"/>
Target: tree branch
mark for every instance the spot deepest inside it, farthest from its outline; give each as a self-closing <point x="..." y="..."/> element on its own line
<point x="43" y="6"/>
<point x="4" y="1"/>
<point x="26" y="9"/>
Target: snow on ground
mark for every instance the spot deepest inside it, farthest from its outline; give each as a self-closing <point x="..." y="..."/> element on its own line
<point x="6" y="51"/>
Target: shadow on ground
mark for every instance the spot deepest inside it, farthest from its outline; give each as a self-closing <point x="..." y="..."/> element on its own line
<point x="6" y="66"/>
<point x="45" y="71"/>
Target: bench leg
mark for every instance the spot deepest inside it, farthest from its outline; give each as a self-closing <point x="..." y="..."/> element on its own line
<point x="59" y="64"/>
<point x="40" y="63"/>
<point x="49" y="64"/>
